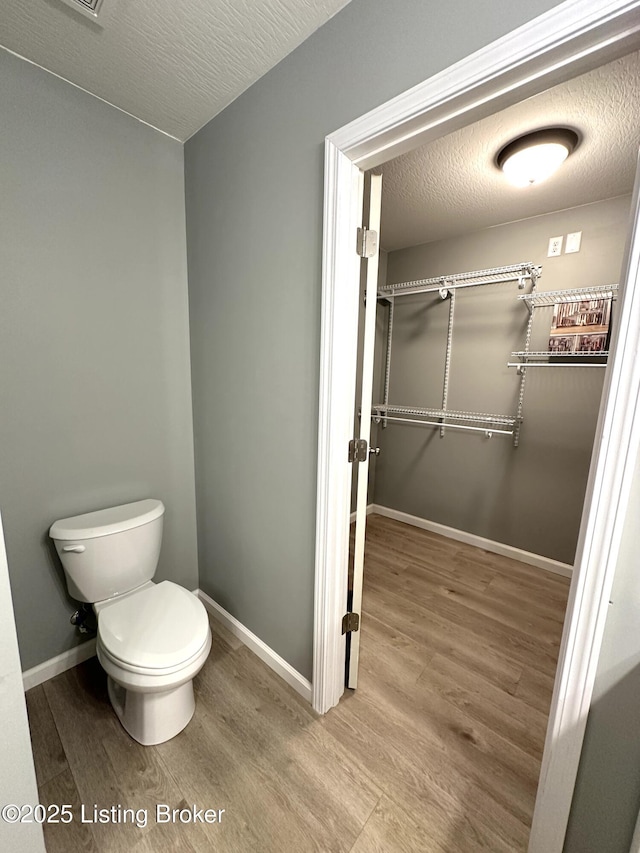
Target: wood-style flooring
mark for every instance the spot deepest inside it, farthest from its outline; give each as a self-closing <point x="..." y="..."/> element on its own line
<point x="438" y="751"/>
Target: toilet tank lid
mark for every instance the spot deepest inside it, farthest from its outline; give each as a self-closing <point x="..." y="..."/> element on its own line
<point x="104" y="522"/>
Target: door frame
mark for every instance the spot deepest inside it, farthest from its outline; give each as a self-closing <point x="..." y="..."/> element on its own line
<point x="568" y="40"/>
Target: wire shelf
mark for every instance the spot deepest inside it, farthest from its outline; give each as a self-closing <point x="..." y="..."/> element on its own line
<point x="495" y="275"/>
<point x="552" y="297"/>
<point x="380" y="411"/>
<point x="537" y="356"/>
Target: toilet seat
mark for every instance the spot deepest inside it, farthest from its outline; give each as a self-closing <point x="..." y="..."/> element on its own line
<point x="105" y="654"/>
<point x="159" y="630"/>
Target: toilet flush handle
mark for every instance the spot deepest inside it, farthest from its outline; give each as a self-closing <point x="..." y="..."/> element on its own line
<point x="77" y="549"/>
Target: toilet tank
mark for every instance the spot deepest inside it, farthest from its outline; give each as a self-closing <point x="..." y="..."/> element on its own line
<point x="111" y="551"/>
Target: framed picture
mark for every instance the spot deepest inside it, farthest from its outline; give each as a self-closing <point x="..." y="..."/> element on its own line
<point x="592" y="343"/>
<point x="562" y="343"/>
<point x="581" y="327"/>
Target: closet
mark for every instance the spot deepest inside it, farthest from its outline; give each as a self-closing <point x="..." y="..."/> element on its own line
<point x="474" y="435"/>
<point x="475" y="501"/>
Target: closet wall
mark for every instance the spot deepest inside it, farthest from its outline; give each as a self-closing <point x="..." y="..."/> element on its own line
<point x="531" y="496"/>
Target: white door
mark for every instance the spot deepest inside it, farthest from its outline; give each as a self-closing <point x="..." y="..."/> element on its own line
<point x="371" y="231"/>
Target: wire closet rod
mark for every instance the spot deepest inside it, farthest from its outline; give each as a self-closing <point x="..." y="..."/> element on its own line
<point x="559" y="359"/>
<point x="487" y="430"/>
<point x="474" y="278"/>
<point x="528" y="364"/>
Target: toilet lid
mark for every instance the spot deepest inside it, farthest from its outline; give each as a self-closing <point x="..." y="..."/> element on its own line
<point x="158" y="627"/>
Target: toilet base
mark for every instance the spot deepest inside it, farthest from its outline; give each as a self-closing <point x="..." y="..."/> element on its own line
<point x="152" y="718"/>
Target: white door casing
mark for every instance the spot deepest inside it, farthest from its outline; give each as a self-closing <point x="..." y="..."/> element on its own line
<point x="370" y="304"/>
<point x="337" y="388"/>
<point x="566" y="41"/>
<point x="604" y="514"/>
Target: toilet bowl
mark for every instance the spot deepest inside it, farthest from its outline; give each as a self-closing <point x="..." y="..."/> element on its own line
<point x="152" y="638"/>
<point x="151" y="643"/>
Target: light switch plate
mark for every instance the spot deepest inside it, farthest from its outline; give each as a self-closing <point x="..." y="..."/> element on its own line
<point x="555" y="247"/>
<point x="573" y="242"/>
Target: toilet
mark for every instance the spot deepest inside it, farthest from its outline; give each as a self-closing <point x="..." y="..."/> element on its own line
<point x="152" y="638"/>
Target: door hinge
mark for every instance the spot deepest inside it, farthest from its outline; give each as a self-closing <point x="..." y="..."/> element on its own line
<point x="367" y="244"/>
<point x="350" y="622"/>
<point x="357" y="450"/>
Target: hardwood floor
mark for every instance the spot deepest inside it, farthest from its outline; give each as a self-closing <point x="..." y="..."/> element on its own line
<point x="438" y="750"/>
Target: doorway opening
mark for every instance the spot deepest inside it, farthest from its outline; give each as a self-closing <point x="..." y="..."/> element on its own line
<point x="473" y="526"/>
<point x="394" y="129"/>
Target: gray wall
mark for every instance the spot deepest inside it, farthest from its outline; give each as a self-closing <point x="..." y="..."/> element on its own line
<point x="94" y="351"/>
<point x="254" y="228"/>
<point x="18" y="778"/>
<point x="530" y="497"/>
<point x="607" y="796"/>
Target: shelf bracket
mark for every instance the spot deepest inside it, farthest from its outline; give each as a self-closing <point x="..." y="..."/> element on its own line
<point x="444" y="291"/>
<point x="387" y="366"/>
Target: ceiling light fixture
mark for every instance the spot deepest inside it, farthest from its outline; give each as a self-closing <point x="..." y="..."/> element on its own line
<point x="531" y="158"/>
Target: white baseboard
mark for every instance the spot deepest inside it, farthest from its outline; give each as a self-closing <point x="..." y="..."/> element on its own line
<point x="262" y="650"/>
<point x="60" y="663"/>
<point x="370" y="509"/>
<point x="78" y="654"/>
<point x="537" y="560"/>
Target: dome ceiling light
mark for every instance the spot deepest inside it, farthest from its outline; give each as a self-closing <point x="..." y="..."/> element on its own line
<point x="535" y="156"/>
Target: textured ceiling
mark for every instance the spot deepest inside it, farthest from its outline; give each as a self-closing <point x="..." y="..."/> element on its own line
<point x="172" y="63"/>
<point x="452" y="186"/>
